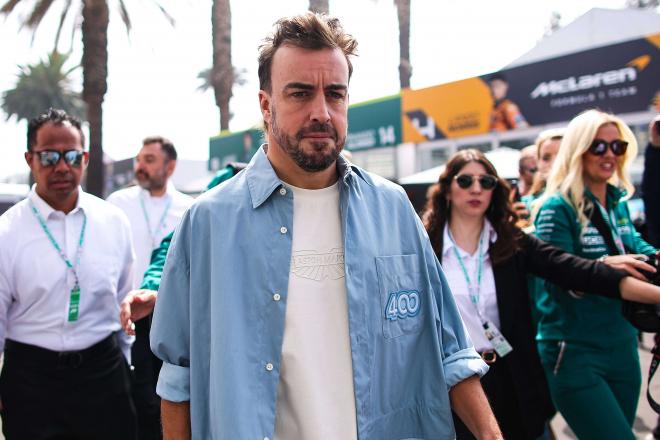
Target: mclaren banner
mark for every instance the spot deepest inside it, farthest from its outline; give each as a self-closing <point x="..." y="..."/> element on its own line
<point x="620" y="78"/>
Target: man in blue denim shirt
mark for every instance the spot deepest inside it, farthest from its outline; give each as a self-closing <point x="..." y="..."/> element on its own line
<point x="302" y="298"/>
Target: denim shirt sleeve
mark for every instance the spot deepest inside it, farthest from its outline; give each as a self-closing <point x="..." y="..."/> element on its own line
<point x="459" y="358"/>
<point x="170" y="328"/>
<point x="174" y="383"/>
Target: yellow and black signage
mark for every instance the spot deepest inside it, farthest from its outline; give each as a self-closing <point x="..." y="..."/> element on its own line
<point x="621" y="78"/>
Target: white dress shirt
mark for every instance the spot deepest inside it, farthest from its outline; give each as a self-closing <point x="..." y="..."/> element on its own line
<point x="459" y="286"/>
<point x="148" y="237"/>
<point x="35" y="283"/>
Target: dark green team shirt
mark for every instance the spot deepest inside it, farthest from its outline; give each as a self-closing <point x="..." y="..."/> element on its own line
<point x="563" y="315"/>
<point x="154" y="272"/>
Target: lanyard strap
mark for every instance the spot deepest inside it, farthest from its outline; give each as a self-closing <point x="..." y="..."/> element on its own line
<point x="610" y="218"/>
<point x="161" y="222"/>
<point x="473" y="290"/>
<point x="57" y="247"/>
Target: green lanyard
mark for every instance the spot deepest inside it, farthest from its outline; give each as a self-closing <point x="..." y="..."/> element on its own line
<point x="611" y="219"/>
<point x="74" y="298"/>
<point x="161" y="222"/>
<point x="473" y="289"/>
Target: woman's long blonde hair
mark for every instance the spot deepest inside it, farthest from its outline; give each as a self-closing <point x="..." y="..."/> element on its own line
<point x="566" y="175"/>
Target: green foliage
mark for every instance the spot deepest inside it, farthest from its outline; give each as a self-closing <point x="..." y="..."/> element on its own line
<point x="43" y="85"/>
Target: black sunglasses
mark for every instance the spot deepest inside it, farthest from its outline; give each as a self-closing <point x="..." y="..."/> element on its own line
<point x="599" y="147"/>
<point x="50" y="158"/>
<point x="486" y="181"/>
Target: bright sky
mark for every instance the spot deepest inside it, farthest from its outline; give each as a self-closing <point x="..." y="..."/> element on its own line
<point x="153" y="73"/>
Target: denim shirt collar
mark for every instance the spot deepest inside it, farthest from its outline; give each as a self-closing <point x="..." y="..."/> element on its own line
<point x="263" y="181"/>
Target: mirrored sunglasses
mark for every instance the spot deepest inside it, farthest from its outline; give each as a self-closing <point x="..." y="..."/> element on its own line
<point x="486" y="181"/>
<point x="599" y="147"/>
<point x="49" y="158"/>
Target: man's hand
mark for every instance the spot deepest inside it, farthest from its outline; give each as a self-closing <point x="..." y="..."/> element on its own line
<point x="631" y="263"/>
<point x="470" y="404"/>
<point x="136" y="305"/>
<point x="654" y="136"/>
<point x="524" y="216"/>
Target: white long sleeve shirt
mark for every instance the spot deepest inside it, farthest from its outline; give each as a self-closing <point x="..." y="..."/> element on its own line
<point x="459" y="287"/>
<point x="164" y="214"/>
<point x="35" y="283"/>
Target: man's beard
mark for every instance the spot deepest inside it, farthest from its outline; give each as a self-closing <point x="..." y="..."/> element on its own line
<point x="319" y="159"/>
<point x="149" y="182"/>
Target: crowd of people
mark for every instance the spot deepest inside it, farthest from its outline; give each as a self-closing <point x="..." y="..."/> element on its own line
<point x="301" y="297"/>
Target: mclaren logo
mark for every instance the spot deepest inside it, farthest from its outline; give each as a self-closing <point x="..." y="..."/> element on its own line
<point x="592" y="81"/>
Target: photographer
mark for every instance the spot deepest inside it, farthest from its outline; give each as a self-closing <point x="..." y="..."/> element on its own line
<point x="651" y="183"/>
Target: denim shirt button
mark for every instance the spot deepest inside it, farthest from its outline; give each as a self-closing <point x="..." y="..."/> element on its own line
<point x="269" y="367"/>
<point x="276" y="297"/>
<point x="283" y="230"/>
<point x="283" y="191"/>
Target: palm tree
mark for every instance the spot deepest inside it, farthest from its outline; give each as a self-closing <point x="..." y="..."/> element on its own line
<point x="43" y="85"/>
<point x="403" y="14"/>
<point x="405" y="68"/>
<point x="222" y="72"/>
<point x="95" y="19"/>
<point x="320" y="6"/>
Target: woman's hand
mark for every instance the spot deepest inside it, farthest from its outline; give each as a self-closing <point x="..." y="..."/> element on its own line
<point x="631" y="263"/>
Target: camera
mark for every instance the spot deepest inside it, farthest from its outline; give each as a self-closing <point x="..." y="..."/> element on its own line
<point x="654" y="278"/>
<point x="645" y="317"/>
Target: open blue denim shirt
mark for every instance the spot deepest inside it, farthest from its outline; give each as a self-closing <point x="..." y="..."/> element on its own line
<point x="218" y="324"/>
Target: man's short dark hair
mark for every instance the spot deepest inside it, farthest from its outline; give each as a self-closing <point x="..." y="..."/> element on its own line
<point x="305" y="31"/>
<point x="498" y="76"/>
<point x="56" y="117"/>
<point x="165" y="144"/>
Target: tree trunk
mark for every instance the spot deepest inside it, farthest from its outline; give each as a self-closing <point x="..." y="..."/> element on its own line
<point x="320" y="6"/>
<point x="95" y="74"/>
<point x="405" y="68"/>
<point x="222" y="73"/>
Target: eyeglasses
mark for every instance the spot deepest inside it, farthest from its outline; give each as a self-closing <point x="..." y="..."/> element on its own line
<point x="50" y="158"/>
<point x="599" y="147"/>
<point x="486" y="181"/>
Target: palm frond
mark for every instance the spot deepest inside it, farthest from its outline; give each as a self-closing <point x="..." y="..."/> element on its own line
<point x="38" y="13"/>
<point x="65" y="12"/>
<point x="9" y="6"/>
<point x="167" y="15"/>
<point x="125" y="17"/>
<point x="205" y="76"/>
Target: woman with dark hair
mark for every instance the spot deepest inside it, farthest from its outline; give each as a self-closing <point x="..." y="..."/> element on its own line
<point x="486" y="259"/>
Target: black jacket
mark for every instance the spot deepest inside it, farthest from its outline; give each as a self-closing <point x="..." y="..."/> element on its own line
<point x="651" y="193"/>
<point x="528" y="383"/>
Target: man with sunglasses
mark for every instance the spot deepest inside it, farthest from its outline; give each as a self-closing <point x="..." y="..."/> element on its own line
<point x="154" y="208"/>
<point x="66" y="262"/>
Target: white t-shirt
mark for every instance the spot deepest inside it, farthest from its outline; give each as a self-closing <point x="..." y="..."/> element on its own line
<point x="164" y="214"/>
<point x="315" y="397"/>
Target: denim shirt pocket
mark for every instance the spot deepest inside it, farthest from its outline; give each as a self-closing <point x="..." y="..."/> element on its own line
<point x="401" y="295"/>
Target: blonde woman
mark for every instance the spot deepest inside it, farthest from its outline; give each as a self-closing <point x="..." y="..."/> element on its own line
<point x="588" y="349"/>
